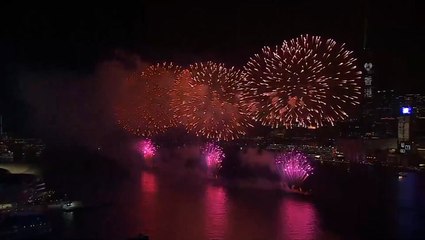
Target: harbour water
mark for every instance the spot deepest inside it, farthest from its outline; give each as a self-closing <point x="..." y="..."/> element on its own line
<point x="362" y="204"/>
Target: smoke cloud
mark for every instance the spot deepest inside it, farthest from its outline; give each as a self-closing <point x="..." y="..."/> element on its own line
<point x="71" y="108"/>
<point x="254" y="157"/>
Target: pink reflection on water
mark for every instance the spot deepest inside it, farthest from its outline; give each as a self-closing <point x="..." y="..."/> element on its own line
<point x="216" y="209"/>
<point x="298" y="220"/>
<point x="149" y="183"/>
<point x="148" y="202"/>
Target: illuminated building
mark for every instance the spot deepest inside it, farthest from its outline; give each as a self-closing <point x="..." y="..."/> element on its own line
<point x="411" y="123"/>
<point x="368" y="77"/>
<point x="404" y="129"/>
<point x="385" y="114"/>
<point x="368" y="68"/>
<point x="416" y="101"/>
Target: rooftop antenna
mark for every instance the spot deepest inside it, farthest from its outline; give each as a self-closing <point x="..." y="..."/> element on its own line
<point x="365" y="33"/>
<point x="1" y="125"/>
<point x="365" y="25"/>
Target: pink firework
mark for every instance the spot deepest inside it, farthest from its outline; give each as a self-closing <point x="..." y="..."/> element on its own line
<point x="293" y="167"/>
<point x="213" y="156"/>
<point x="147" y="148"/>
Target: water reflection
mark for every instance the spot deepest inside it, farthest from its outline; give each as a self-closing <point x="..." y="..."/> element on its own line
<point x="298" y="219"/>
<point x="357" y="206"/>
<point x="148" y="200"/>
<point x="252" y="215"/>
<point x="171" y="210"/>
<point x="216" y="210"/>
<point x="408" y="201"/>
<point x="149" y="182"/>
<point x="211" y="212"/>
<point x="68" y="221"/>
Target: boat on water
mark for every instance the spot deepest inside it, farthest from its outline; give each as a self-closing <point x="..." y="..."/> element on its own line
<point x="401" y="175"/>
<point x="7" y="207"/>
<point x="72" y="206"/>
<point x="265" y="185"/>
<point x="295" y="190"/>
<point x="51" y="200"/>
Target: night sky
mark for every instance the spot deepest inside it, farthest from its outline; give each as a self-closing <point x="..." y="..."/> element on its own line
<point x="74" y="39"/>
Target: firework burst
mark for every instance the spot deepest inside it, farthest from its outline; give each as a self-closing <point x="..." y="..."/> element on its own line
<point x="144" y="106"/>
<point x="293" y="167"/>
<point x="213" y="156"/>
<point x="306" y="82"/>
<point x="206" y="99"/>
<point x="146" y="148"/>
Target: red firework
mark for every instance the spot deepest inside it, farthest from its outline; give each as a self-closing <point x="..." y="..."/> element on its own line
<point x="306" y="82"/>
<point x="144" y="105"/>
<point x="206" y="100"/>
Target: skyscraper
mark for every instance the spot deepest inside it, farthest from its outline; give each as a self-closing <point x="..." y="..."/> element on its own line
<point x="368" y="69"/>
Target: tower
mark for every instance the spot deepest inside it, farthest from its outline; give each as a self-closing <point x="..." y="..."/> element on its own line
<point x="368" y="69"/>
<point x="404" y="129"/>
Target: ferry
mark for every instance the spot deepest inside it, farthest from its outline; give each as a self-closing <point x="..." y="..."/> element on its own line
<point x="402" y="175"/>
<point x="294" y="190"/>
<point x="72" y="206"/>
